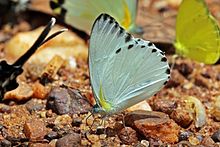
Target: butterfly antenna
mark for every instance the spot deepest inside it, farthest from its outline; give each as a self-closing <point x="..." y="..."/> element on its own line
<point x="41" y="40"/>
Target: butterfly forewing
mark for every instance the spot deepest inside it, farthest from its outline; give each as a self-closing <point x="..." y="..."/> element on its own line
<point x="127" y="69"/>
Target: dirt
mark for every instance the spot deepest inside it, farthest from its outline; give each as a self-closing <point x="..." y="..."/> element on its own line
<point x="31" y="122"/>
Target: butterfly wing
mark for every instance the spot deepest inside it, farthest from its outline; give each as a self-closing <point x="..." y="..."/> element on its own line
<point x="123" y="70"/>
<point x="81" y="13"/>
<point x="197" y="32"/>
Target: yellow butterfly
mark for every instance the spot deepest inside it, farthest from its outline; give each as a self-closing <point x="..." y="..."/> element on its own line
<point x="197" y="32"/>
<point x="81" y="13"/>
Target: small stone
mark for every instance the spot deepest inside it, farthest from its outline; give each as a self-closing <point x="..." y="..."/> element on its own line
<point x="35" y="129"/>
<point x="63" y="120"/>
<point x="64" y="100"/>
<point x="53" y="143"/>
<point x="203" y="82"/>
<point x="182" y="117"/>
<point x="22" y="92"/>
<point x="92" y="138"/>
<point x="49" y="113"/>
<point x="77" y="122"/>
<point x="51" y="135"/>
<point x="185" y="68"/>
<point x="153" y="125"/>
<point x="40" y="91"/>
<point x="194" y="140"/>
<point x="184" y="135"/>
<point x="145" y="143"/>
<point x="216" y="136"/>
<point x="4" y="108"/>
<point x="85" y="142"/>
<point x="176" y="79"/>
<point x="166" y="106"/>
<point x="128" y="136"/>
<point x="102" y="136"/>
<point x="69" y="140"/>
<point x="207" y="141"/>
<point x="34" y="105"/>
<point x="216" y="109"/>
<point x="5" y="143"/>
<point x="140" y="106"/>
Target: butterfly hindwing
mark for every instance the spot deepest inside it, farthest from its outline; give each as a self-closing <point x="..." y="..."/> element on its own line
<point x="127" y="69"/>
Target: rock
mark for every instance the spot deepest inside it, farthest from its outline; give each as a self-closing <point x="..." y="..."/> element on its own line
<point x="22" y="92"/>
<point x="194" y="140"/>
<point x="35" y="129"/>
<point x="182" y="117"/>
<point x="216" y="136"/>
<point x="34" y="105"/>
<point x="69" y="140"/>
<point x="166" y="106"/>
<point x="51" y="135"/>
<point x="5" y="143"/>
<point x="216" y="109"/>
<point x="184" y="67"/>
<point x="176" y="79"/>
<point x="128" y="136"/>
<point x="184" y="135"/>
<point x="207" y="141"/>
<point x="202" y="81"/>
<point x="140" y="106"/>
<point x="92" y="138"/>
<point x="145" y="143"/>
<point x="63" y="100"/>
<point x="4" y="108"/>
<point x="40" y="91"/>
<point x="77" y="122"/>
<point x="153" y="125"/>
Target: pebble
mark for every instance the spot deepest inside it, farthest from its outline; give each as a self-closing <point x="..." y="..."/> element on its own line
<point x="39" y="90"/>
<point x="182" y="117"/>
<point x="35" y="129"/>
<point x="164" y="105"/>
<point x="216" y="136"/>
<point x="69" y="140"/>
<point x="154" y="125"/>
<point x="63" y="100"/>
<point x="34" y="105"/>
<point x="22" y="92"/>
<point x="194" y="140"/>
<point x="140" y="106"/>
<point x="5" y="143"/>
<point x="128" y="136"/>
<point x="184" y="135"/>
<point x="145" y="143"/>
<point x="63" y="120"/>
<point x="176" y="79"/>
<point x="207" y="141"/>
<point x="51" y="135"/>
<point x="77" y="122"/>
<point x="5" y="108"/>
<point x="216" y="109"/>
<point x="185" y="68"/>
<point x="92" y="138"/>
<point x="202" y="81"/>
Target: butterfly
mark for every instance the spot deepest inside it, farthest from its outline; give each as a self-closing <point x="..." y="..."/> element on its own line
<point x="9" y="73"/>
<point x="123" y="70"/>
<point x="197" y="32"/>
<point x="81" y="13"/>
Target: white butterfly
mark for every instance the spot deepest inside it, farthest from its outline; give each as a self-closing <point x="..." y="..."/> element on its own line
<point x="123" y="70"/>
